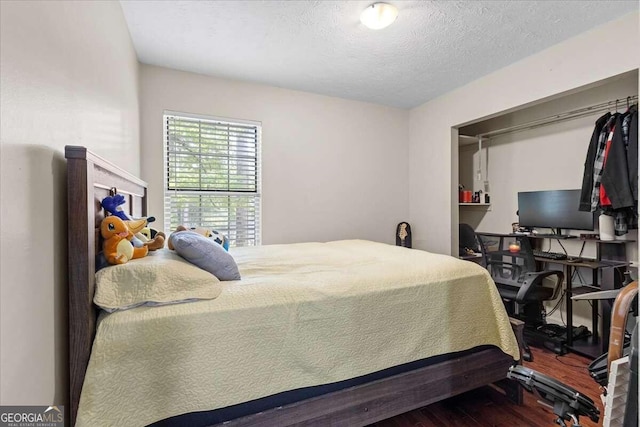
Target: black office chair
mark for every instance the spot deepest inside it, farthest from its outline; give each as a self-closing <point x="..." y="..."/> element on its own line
<point x="510" y="261"/>
<point x="467" y="241"/>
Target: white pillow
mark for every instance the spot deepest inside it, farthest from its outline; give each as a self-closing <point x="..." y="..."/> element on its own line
<point x="160" y="278"/>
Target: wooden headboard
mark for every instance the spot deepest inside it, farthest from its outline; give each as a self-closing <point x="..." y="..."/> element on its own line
<point x="89" y="179"/>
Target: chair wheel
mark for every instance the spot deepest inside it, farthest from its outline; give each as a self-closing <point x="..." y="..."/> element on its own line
<point x="527" y="356"/>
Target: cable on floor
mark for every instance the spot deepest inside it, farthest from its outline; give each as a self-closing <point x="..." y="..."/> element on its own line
<point x="570" y="364"/>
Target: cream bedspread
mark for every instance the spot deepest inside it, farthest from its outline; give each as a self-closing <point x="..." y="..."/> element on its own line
<point x="302" y="315"/>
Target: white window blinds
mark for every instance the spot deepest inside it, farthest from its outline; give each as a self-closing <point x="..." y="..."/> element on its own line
<point x="213" y="176"/>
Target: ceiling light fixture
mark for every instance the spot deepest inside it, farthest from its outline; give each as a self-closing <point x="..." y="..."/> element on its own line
<point x="379" y="15"/>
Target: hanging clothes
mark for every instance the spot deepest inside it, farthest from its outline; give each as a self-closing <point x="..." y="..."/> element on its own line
<point x="630" y="127"/>
<point x="615" y="174"/>
<point x="603" y="197"/>
<point x="587" y="179"/>
<point x="598" y="165"/>
<point x="611" y="170"/>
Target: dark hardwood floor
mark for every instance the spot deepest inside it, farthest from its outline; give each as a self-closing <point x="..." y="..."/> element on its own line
<point x="487" y="407"/>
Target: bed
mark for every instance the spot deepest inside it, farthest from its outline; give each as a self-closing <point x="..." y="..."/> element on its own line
<point x="354" y="381"/>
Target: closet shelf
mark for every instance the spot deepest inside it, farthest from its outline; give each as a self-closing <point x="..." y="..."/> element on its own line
<point x="475" y="204"/>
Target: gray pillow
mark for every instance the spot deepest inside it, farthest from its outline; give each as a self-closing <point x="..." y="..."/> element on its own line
<point x="206" y="254"/>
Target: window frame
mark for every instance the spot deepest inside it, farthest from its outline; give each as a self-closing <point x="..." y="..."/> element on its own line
<point x="257" y="194"/>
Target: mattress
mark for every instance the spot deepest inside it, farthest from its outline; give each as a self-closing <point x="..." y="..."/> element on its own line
<point x="303" y="315"/>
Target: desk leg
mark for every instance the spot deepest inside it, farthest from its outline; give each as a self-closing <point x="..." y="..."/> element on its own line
<point x="569" y="304"/>
<point x="594" y="310"/>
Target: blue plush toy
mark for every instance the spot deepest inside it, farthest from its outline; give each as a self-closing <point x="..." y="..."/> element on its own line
<point x="112" y="204"/>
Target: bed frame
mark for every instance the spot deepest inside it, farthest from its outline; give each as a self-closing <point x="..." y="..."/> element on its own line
<point x="91" y="178"/>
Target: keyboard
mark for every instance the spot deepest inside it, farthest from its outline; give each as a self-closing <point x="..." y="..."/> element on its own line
<point x="549" y="255"/>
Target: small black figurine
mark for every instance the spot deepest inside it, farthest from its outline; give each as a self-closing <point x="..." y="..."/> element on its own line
<point x="403" y="235"/>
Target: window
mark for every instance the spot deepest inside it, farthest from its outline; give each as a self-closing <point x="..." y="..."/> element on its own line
<point x="213" y="176"/>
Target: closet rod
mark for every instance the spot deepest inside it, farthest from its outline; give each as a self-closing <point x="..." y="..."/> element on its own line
<point x="620" y="103"/>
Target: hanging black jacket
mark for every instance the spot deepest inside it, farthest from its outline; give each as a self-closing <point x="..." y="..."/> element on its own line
<point x="615" y="176"/>
<point x="587" y="179"/>
<point x="632" y="153"/>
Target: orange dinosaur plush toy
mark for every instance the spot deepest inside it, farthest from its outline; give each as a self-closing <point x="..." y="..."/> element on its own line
<point x="117" y="235"/>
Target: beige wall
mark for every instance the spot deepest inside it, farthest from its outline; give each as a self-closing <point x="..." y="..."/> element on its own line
<point x="332" y="168"/>
<point x="68" y="76"/>
<point x="433" y="155"/>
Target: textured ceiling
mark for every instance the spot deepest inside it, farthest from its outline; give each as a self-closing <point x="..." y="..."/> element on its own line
<point x="321" y="46"/>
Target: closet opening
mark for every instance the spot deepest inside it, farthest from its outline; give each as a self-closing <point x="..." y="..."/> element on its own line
<point x="540" y="146"/>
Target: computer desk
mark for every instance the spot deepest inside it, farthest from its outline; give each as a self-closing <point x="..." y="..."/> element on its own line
<point x="568" y="269"/>
<point x="611" y="259"/>
<point x="476" y="257"/>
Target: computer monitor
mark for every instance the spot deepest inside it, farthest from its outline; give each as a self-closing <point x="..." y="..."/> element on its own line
<point x="553" y="209"/>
